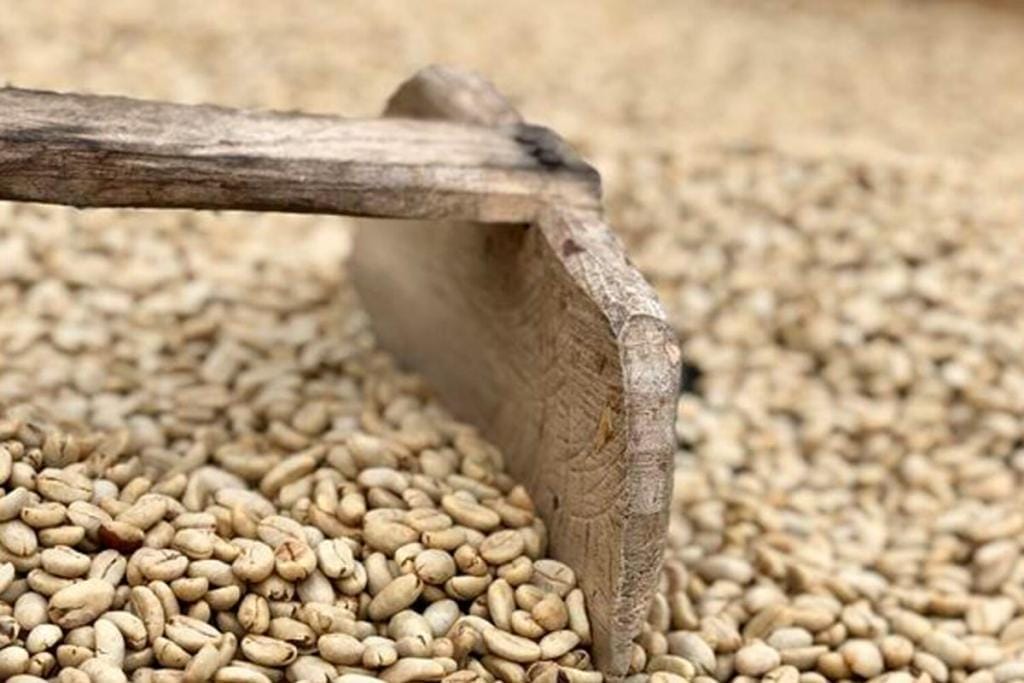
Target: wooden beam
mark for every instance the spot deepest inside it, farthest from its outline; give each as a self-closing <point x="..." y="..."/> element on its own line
<point x="92" y="151"/>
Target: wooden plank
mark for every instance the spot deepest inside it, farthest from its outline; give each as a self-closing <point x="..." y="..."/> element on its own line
<point x="556" y="348"/>
<point x="113" y="151"/>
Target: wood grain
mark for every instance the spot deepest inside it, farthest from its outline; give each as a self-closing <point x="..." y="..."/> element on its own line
<point x="546" y="338"/>
<point x="113" y="151"/>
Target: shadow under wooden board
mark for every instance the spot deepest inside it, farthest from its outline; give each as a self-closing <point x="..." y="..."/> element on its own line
<point x="507" y="292"/>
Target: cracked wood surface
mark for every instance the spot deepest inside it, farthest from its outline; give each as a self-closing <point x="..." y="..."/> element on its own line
<point x="545" y="337"/>
<point x="87" y="150"/>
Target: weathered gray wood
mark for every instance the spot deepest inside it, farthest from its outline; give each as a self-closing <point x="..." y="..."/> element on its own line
<point x="543" y="336"/>
<point x="113" y="151"/>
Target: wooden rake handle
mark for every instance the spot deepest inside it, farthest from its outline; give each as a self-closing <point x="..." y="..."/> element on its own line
<point x="88" y="151"/>
<point x="530" y="323"/>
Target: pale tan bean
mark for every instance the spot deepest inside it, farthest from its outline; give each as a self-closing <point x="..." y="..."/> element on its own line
<point x="190" y="589"/>
<point x="189" y="633"/>
<point x="6" y="464"/>
<point x="60" y="535"/>
<point x="110" y="645"/>
<point x="101" y="670"/>
<point x="287" y="471"/>
<point x="468" y="560"/>
<point x="161" y="564"/>
<point x="65" y="562"/>
<point x="410" y="624"/>
<point x="757" y="659"/>
<point x="18" y="538"/>
<point x="43" y="515"/>
<point x="524" y="625"/>
<point x="803" y="658"/>
<point x="947" y="647"/>
<point x="558" y="643"/>
<point x="64" y="485"/>
<point x="42" y="638"/>
<point x="355" y="678"/>
<point x="312" y="670"/>
<point x="470" y="514"/>
<point x="13" y="502"/>
<point x="145" y="512"/>
<point x="30" y="610"/>
<point x="26" y="678"/>
<point x="166" y="597"/>
<point x="931" y="665"/>
<point x="335" y="558"/>
<point x="84" y="636"/>
<point x="388" y="536"/>
<point x="81" y="603"/>
<point x="292" y="631"/>
<point x="511" y="647"/>
<point x="413" y="669"/>
<point x="131" y="627"/>
<point x="13" y="660"/>
<point x="274" y="529"/>
<point x="254" y="613"/>
<point x="396" y="596"/>
<point x="378" y="653"/>
<point x="502" y="546"/>
<point x="7" y="574"/>
<point x="445" y="539"/>
<point x="500" y="603"/>
<point x="467" y="587"/>
<point x="109" y="566"/>
<point x="223" y="598"/>
<point x="551" y="613"/>
<point x="695" y="649"/>
<point x="268" y="651"/>
<point x="216" y="572"/>
<point x="340" y="648"/>
<point x="862" y="657"/>
<point x="294" y="560"/>
<point x="441" y="615"/>
<point x="240" y="674"/>
<point x="517" y="572"/>
<point x="255" y="563"/>
<point x="386" y="478"/>
<point x="196" y="544"/>
<point x="203" y="665"/>
<point x="434" y="567"/>
<point x="503" y="669"/>
<point x="656" y="677"/>
<point x="169" y="653"/>
<point x="72" y="675"/>
<point x="149" y="608"/>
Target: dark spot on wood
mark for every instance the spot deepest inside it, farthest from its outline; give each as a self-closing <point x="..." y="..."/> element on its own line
<point x="556" y="502"/>
<point x="570" y="248"/>
<point x="689" y="378"/>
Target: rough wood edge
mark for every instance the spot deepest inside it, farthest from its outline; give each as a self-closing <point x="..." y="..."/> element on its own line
<point x="650" y="359"/>
<point x="88" y="150"/>
<point x="650" y="355"/>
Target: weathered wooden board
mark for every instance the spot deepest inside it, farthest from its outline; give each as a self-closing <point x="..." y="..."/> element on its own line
<point x="546" y="338"/>
<point x="113" y="151"/>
